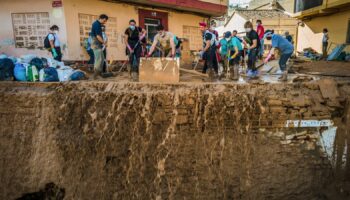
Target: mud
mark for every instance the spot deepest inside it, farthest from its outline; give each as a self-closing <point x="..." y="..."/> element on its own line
<point x="103" y="140"/>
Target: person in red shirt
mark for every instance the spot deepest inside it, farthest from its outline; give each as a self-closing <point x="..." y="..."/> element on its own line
<point x="260" y="29"/>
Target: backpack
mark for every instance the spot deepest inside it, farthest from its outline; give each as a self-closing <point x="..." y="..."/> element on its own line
<point x="213" y="40"/>
<point x="47" y="44"/>
<point x="6" y="69"/>
<point x="177" y="42"/>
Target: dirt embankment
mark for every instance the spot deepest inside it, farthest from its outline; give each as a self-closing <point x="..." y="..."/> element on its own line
<point x="135" y="141"/>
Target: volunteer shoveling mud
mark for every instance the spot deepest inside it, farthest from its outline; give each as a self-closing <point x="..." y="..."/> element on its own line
<point x="170" y="100"/>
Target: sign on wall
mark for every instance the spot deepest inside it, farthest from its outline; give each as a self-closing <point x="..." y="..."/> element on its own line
<point x="85" y="23"/>
<point x="30" y="29"/>
<point x="194" y="35"/>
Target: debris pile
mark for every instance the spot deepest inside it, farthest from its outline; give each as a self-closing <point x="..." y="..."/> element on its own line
<point x="30" y="68"/>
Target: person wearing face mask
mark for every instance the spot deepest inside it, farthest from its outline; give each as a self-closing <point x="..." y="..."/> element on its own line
<point x="209" y="51"/>
<point x="225" y="51"/>
<point x="286" y="49"/>
<point x="237" y="47"/>
<point x="166" y="41"/>
<point x="253" y="41"/>
<point x="97" y="44"/>
<point x="261" y="31"/>
<point x="134" y="35"/>
<point x="55" y="43"/>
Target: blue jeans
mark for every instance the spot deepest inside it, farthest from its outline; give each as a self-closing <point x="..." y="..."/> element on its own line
<point x="252" y="56"/>
<point x="262" y="49"/>
<point x="283" y="61"/>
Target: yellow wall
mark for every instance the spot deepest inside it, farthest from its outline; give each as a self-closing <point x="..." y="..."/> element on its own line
<point x="311" y="34"/>
<point x="69" y="24"/>
<point x="8" y="7"/>
<point x="123" y="13"/>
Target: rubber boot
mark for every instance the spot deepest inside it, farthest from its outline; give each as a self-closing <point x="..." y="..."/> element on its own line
<point x="235" y="72"/>
<point x="284" y="76"/>
<point x="211" y="74"/>
<point x="134" y="76"/>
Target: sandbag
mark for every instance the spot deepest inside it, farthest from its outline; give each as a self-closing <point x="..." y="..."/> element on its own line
<point x="37" y="62"/>
<point x="32" y="73"/>
<point x="50" y="75"/>
<point x="77" y="76"/>
<point x="6" y="69"/>
<point x="20" y="72"/>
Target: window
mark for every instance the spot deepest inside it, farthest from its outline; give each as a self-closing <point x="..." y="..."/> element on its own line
<point x="348" y="35"/>
<point x="301" y="5"/>
<point x="30" y="29"/>
<point x="85" y="23"/>
<point x="194" y="36"/>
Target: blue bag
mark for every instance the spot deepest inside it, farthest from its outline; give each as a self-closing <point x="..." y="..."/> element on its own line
<point x="20" y="72"/>
<point x="51" y="75"/>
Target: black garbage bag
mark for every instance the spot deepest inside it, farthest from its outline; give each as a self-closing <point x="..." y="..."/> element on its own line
<point x="38" y="63"/>
<point x="6" y="69"/>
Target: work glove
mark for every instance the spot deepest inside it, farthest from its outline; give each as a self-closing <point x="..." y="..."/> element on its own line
<point x="201" y="53"/>
<point x="267" y="59"/>
<point x="54" y="53"/>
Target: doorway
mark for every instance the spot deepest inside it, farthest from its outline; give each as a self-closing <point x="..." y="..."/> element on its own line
<point x="151" y="28"/>
<point x="150" y="19"/>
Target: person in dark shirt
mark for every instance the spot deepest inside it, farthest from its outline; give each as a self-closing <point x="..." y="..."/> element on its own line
<point x="288" y="37"/>
<point x="134" y="36"/>
<point x="98" y="43"/>
<point x="209" y="51"/>
<point x="252" y="39"/>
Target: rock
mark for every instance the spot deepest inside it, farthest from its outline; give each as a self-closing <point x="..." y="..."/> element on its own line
<point x="289" y="137"/>
<point x="159" y="116"/>
<point x="329" y="88"/>
<point x="181" y="119"/>
<point x="301" y="133"/>
<point x="285" y="142"/>
<point x="272" y="102"/>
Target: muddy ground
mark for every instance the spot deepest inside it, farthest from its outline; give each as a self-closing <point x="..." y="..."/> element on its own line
<point x="121" y="140"/>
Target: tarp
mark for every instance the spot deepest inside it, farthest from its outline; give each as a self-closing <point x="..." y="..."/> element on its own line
<point x="336" y="52"/>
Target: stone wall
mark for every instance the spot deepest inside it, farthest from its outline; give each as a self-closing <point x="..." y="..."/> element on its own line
<point x="136" y="141"/>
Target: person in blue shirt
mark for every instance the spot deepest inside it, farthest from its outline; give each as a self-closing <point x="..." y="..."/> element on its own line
<point x="225" y="51"/>
<point x="98" y="43"/>
<point x="236" y="45"/>
<point x="286" y="49"/>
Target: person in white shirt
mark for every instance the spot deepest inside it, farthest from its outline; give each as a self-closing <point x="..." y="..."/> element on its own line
<point x="55" y="43"/>
<point x="325" y="42"/>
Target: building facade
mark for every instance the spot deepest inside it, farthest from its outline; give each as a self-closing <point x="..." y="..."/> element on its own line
<point x="272" y="19"/>
<point x="25" y="23"/>
<point x="316" y="15"/>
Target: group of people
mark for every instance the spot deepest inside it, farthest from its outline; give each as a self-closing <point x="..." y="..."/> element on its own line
<point x="229" y="51"/>
<point x="233" y="49"/>
<point x="135" y="40"/>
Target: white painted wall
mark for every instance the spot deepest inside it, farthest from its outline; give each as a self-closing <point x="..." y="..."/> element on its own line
<point x="7" y="42"/>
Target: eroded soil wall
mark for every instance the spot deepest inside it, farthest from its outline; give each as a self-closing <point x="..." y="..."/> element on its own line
<point x="136" y="141"/>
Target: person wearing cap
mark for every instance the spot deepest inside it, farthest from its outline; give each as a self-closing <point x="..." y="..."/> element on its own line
<point x="209" y="51"/>
<point x="166" y="41"/>
<point x="253" y="46"/>
<point x="286" y="49"/>
<point x="225" y="51"/>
